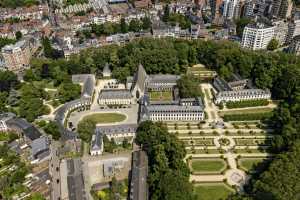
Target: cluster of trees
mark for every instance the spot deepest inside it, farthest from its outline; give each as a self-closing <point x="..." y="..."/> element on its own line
<point x="11" y="181"/>
<point x="168" y="175"/>
<point x="189" y="87"/>
<point x="86" y="129"/>
<point x="6" y="41"/>
<point x="73" y="2"/>
<point x="17" y="3"/>
<point x="176" y="18"/>
<point x="68" y="91"/>
<point x="109" y="28"/>
<point x="247" y="103"/>
<point x="31" y="103"/>
<point x="247" y="117"/>
<point x="52" y="129"/>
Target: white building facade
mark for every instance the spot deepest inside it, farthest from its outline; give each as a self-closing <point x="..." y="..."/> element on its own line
<point x="257" y="36"/>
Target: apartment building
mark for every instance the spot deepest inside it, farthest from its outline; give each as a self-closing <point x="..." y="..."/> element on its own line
<point x="257" y="36"/>
<point x="16" y="56"/>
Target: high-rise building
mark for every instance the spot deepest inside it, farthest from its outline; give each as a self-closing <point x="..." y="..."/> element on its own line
<point x="215" y="6"/>
<point x="293" y="29"/>
<point x="16" y="56"/>
<point x="248" y="8"/>
<point x="294" y="47"/>
<point x="282" y="8"/>
<point x="281" y="31"/>
<point x="257" y="36"/>
<point x="230" y="7"/>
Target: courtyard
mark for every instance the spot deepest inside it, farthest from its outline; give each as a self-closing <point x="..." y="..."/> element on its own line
<point x="104" y="118"/>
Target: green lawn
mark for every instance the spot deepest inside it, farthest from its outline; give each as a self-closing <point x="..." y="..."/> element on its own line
<point x="102" y="118"/>
<point x="207" y="165"/>
<point x="215" y="191"/>
<point x="248" y="163"/>
<point x="161" y="95"/>
<point x="245" y="111"/>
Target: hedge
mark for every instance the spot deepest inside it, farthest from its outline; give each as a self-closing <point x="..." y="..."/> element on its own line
<point x="247" y="117"/>
<point x="247" y="103"/>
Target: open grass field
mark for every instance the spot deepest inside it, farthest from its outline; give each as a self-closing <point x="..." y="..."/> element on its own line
<point x="161" y="95"/>
<point x="103" y="118"/>
<point x="249" y="163"/>
<point x="207" y="165"/>
<point x="214" y="191"/>
<point x="245" y="111"/>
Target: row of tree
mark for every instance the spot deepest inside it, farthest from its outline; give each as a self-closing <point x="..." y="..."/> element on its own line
<point x="247" y="103"/>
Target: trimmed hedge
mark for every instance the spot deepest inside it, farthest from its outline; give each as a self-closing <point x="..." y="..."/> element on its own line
<point x="247" y="103"/>
<point x="247" y="117"/>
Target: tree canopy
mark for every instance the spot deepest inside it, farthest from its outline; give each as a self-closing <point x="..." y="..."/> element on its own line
<point x="168" y="176"/>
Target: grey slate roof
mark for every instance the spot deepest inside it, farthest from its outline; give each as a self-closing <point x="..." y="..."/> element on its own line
<point x="139" y="173"/>
<point x="39" y="145"/>
<point x="97" y="141"/>
<point x="221" y="85"/>
<point x="115" y="94"/>
<point x="88" y="87"/>
<point x="75" y="180"/>
<point x="139" y="79"/>
<point x="116" y="129"/>
<point x="27" y="128"/>
<point x="163" y="78"/>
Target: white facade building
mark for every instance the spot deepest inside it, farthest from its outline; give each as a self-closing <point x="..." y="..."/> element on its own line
<point x="115" y="97"/>
<point x="231" y="91"/>
<point x="257" y="36"/>
<point x="3" y="126"/>
<point x="230" y="8"/>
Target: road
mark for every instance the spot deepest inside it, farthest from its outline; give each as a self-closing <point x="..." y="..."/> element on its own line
<point x="54" y="170"/>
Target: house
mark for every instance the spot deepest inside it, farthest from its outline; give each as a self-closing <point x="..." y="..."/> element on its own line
<point x="40" y="149"/>
<point x="26" y="129"/>
<point x="96" y="144"/>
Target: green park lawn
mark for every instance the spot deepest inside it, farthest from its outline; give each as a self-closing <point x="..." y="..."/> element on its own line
<point x="207" y="165"/>
<point x="215" y="191"/>
<point x="161" y="95"/>
<point x="103" y="118"/>
<point x="248" y="163"/>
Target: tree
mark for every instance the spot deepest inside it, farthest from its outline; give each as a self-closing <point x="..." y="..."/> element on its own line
<point x="8" y="80"/>
<point x="19" y="35"/>
<point x="48" y="50"/>
<point x="134" y="25"/>
<point x="281" y="179"/>
<point x="6" y="41"/>
<point x="86" y="129"/>
<point x="240" y="25"/>
<point x="189" y="87"/>
<point x="124" y="26"/>
<point x="36" y="196"/>
<point x="273" y="44"/>
<point x="146" y="23"/>
<point x="165" y="153"/>
<point x="52" y="129"/>
<point x="3" y="102"/>
<point x="166" y="13"/>
<point x="68" y="91"/>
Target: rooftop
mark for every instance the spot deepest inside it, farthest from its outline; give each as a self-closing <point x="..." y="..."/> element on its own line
<point x="115" y="94"/>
